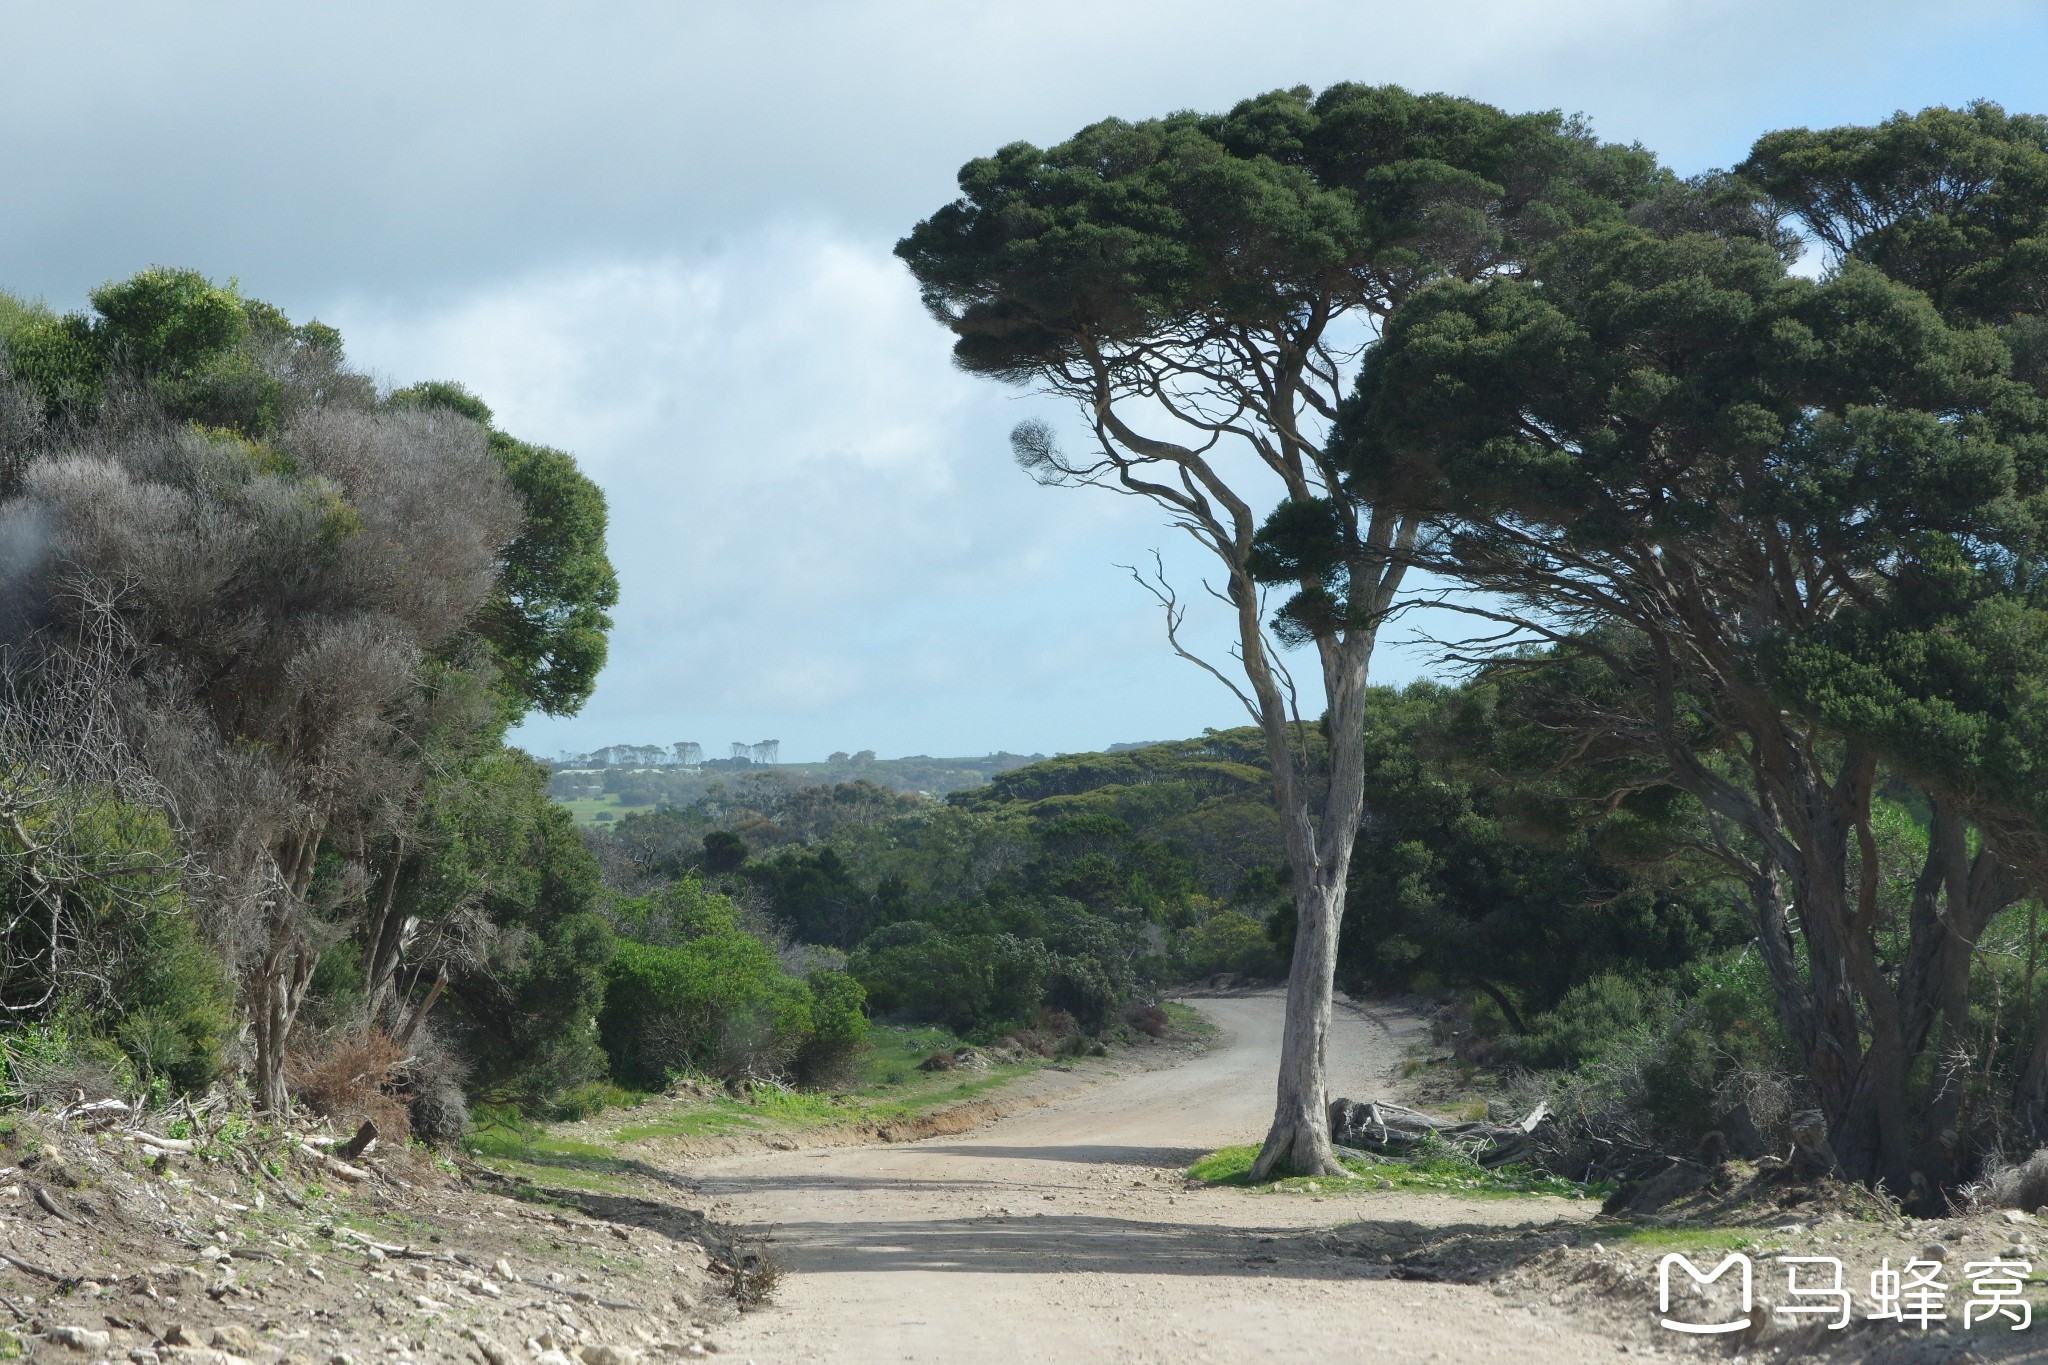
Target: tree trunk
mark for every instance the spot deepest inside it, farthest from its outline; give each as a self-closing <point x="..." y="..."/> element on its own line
<point x="1319" y="854"/>
<point x="1299" y="1141"/>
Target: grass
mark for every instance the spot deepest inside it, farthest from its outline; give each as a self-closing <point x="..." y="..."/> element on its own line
<point x="1188" y="1019"/>
<point x="586" y="811"/>
<point x="1441" y="1173"/>
<point x="886" y="1087"/>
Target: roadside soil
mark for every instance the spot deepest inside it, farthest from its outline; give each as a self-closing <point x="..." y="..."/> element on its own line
<point x="1068" y="1232"/>
<point x="239" y="1249"/>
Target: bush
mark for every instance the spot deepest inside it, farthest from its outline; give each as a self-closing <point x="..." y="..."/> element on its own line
<point x="839" y="1029"/>
<point x="352" y="1076"/>
<point x="48" y="1064"/>
<point x="1595" y="1019"/>
<point x="1229" y="941"/>
<point x="1149" y="1020"/>
<point x="435" y="1104"/>
<point x="719" y="1004"/>
<point x="970" y="983"/>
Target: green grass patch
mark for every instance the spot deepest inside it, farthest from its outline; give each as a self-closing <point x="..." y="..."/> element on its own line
<point x="1188" y="1019"/>
<point x="885" y="1087"/>
<point x="1439" y="1173"/>
<point x="586" y="811"/>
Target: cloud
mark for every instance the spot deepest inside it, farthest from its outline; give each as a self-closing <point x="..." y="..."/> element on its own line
<point x="657" y="234"/>
<point x="819" y="531"/>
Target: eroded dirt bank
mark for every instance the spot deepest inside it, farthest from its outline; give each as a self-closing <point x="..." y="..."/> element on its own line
<point x="1066" y="1233"/>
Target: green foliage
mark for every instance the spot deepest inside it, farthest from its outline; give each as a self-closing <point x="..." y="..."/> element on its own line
<point x="1128" y="229"/>
<point x="1443" y="1170"/>
<point x="1468" y="877"/>
<point x="550" y="620"/>
<point x="719" y="1004"/>
<point x="839" y="1028"/>
<point x="971" y="983"/>
<point x="524" y="1013"/>
<point x="1230" y="941"/>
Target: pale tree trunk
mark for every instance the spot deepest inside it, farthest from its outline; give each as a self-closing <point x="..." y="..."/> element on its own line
<point x="282" y="977"/>
<point x="1319" y="854"/>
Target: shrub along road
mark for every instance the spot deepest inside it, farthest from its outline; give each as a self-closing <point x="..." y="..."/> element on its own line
<point x="1069" y="1232"/>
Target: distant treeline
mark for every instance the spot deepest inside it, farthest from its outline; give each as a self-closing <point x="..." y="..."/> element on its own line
<point x="671" y="784"/>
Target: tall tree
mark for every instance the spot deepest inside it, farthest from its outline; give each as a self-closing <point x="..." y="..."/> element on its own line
<point x="336" y="604"/>
<point x="1199" y="286"/>
<point x="1671" y="457"/>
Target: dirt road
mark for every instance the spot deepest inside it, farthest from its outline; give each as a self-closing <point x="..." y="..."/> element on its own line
<point x="1065" y="1234"/>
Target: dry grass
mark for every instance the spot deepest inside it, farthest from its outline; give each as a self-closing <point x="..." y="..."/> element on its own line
<point x="352" y="1076"/>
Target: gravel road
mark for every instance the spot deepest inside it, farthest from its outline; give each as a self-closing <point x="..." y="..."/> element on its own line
<point x="1065" y="1233"/>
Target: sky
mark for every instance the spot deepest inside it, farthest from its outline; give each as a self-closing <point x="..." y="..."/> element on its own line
<point x="658" y="235"/>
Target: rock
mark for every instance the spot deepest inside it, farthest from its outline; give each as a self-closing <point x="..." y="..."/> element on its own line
<point x="503" y="1267"/>
<point x="492" y="1351"/>
<point x="603" y="1353"/>
<point x="552" y="1356"/>
<point x="2015" y="1216"/>
<point x="81" y="1338"/>
<point x="233" y="1337"/>
<point x="177" y="1334"/>
<point x="1934" y="1251"/>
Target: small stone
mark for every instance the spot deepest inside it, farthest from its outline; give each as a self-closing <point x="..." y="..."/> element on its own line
<point x="552" y="1356"/>
<point x="2015" y="1216"/>
<point x="503" y="1267"/>
<point x="1934" y="1251"/>
<point x="603" y="1353"/>
<point x="81" y="1338"/>
<point x="340" y="1357"/>
<point x="233" y="1337"/>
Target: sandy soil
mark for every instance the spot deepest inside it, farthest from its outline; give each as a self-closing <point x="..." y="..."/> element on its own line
<point x="1067" y="1233"/>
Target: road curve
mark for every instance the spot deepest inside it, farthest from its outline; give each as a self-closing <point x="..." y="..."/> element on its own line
<point x="1064" y="1233"/>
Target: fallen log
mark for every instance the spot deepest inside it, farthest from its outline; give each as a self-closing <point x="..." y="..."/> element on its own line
<point x="161" y="1144"/>
<point x="1378" y="1129"/>
<point x="352" y="1174"/>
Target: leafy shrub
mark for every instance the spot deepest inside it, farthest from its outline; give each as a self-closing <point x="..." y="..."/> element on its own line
<point x="50" y="1063"/>
<point x="1229" y="941"/>
<point x="1149" y="1020"/>
<point x="719" y="1004"/>
<point x="839" y="1028"/>
<point x="971" y="983"/>
<point x="1596" y="1019"/>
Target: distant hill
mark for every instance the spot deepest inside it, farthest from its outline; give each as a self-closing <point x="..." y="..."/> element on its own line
<point x="596" y="791"/>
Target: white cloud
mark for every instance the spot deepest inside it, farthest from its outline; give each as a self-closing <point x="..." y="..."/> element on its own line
<point x="816" y="523"/>
<point x="656" y="235"/>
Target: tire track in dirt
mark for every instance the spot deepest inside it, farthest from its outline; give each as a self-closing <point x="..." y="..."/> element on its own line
<point x="1065" y="1232"/>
